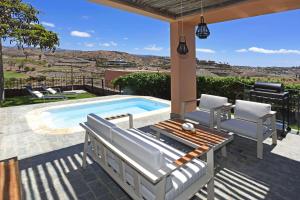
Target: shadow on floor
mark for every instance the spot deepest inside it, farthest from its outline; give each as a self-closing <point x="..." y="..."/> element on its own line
<point x="58" y="175"/>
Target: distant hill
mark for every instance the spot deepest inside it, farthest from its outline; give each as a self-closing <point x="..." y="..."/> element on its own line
<point x="95" y="62"/>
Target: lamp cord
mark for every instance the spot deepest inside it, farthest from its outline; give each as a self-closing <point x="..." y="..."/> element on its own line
<point x="202" y="12"/>
<point x="181" y="5"/>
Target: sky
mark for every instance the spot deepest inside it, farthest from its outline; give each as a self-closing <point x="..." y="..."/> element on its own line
<point x="269" y="40"/>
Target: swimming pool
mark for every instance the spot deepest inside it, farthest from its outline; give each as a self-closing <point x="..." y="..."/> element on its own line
<point x="71" y="115"/>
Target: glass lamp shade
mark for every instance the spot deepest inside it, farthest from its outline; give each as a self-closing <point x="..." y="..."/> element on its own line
<point x="202" y="30"/>
<point x="182" y="48"/>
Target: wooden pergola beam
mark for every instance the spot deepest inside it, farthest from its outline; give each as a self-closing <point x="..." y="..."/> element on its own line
<point x="224" y="11"/>
<point x="146" y="11"/>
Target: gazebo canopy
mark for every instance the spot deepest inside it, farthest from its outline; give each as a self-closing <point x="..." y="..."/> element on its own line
<point x="215" y="10"/>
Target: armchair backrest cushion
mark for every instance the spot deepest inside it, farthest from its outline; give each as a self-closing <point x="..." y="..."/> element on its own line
<point x="210" y="101"/>
<point x="141" y="151"/>
<point x="100" y="125"/>
<point x="250" y="111"/>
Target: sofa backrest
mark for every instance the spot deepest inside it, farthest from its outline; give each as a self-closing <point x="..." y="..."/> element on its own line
<point x="141" y="151"/>
<point x="100" y="126"/>
<point x="210" y="101"/>
<point x="250" y="111"/>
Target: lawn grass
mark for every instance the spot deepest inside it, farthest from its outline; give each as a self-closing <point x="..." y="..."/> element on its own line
<point x="26" y="100"/>
<point x="12" y="74"/>
<point x="294" y="126"/>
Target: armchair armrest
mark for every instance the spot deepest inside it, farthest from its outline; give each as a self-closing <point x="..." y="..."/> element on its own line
<point x="183" y="106"/>
<point x="266" y="116"/>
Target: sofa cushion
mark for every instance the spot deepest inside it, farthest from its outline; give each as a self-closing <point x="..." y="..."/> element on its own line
<point x="241" y="127"/>
<point x="180" y="179"/>
<point x="251" y="110"/>
<point x="100" y="126"/>
<point x="210" y="101"/>
<point x="137" y="149"/>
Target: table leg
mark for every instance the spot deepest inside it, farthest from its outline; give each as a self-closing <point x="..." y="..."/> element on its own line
<point x="157" y="135"/>
<point x="224" y="151"/>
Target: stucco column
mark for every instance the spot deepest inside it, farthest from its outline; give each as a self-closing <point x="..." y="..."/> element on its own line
<point x="183" y="68"/>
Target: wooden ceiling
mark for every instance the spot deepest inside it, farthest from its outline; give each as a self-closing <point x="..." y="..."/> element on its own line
<point x="214" y="10"/>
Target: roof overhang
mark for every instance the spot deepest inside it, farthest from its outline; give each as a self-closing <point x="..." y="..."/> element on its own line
<point x="215" y="10"/>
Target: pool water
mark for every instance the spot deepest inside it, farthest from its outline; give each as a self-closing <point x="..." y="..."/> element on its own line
<point x="71" y="116"/>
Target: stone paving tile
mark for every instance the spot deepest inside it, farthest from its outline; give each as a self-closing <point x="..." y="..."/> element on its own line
<point x="51" y="167"/>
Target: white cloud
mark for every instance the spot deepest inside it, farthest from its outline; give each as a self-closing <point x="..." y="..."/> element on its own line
<point x="89" y="44"/>
<point x="241" y="50"/>
<point x="125" y="38"/>
<point x="136" y="49"/>
<point x="269" y="51"/>
<point x="153" y="47"/>
<point x="205" y="50"/>
<point x="85" y="17"/>
<point x="113" y="43"/>
<point x="48" y="24"/>
<point x="80" y="34"/>
<point x="109" y="44"/>
<point x="272" y="51"/>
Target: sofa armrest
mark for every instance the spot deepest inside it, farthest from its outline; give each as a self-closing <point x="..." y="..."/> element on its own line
<point x="189" y="157"/>
<point x="130" y="116"/>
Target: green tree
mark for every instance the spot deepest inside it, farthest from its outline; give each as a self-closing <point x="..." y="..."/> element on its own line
<point x="21" y="65"/>
<point x="19" y="25"/>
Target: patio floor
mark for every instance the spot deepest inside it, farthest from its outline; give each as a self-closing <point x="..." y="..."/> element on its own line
<point x="58" y="174"/>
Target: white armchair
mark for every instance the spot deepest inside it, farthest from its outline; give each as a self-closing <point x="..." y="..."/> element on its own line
<point x="206" y="114"/>
<point x="253" y="120"/>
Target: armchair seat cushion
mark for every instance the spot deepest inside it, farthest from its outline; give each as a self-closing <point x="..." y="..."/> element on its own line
<point x="242" y="127"/>
<point x="201" y="116"/>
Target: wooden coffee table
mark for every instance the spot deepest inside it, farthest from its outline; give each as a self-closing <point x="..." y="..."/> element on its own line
<point x="202" y="137"/>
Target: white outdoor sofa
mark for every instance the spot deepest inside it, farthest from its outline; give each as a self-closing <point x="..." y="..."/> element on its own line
<point x="206" y="114"/>
<point x="253" y="120"/>
<point x="143" y="166"/>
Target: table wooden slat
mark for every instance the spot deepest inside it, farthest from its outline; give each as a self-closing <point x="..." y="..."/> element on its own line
<point x="9" y="180"/>
<point x="191" y="155"/>
<point x="202" y="136"/>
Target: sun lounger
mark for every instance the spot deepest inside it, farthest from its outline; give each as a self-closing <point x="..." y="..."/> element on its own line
<point x="253" y="120"/>
<point x="56" y="91"/>
<point x="145" y="167"/>
<point x="40" y="95"/>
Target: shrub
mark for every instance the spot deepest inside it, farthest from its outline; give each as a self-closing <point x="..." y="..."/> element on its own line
<point x="27" y="69"/>
<point x="159" y="85"/>
<point x="148" y="84"/>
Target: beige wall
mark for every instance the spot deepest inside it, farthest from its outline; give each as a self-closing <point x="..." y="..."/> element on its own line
<point x="110" y="75"/>
<point x="183" y="68"/>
